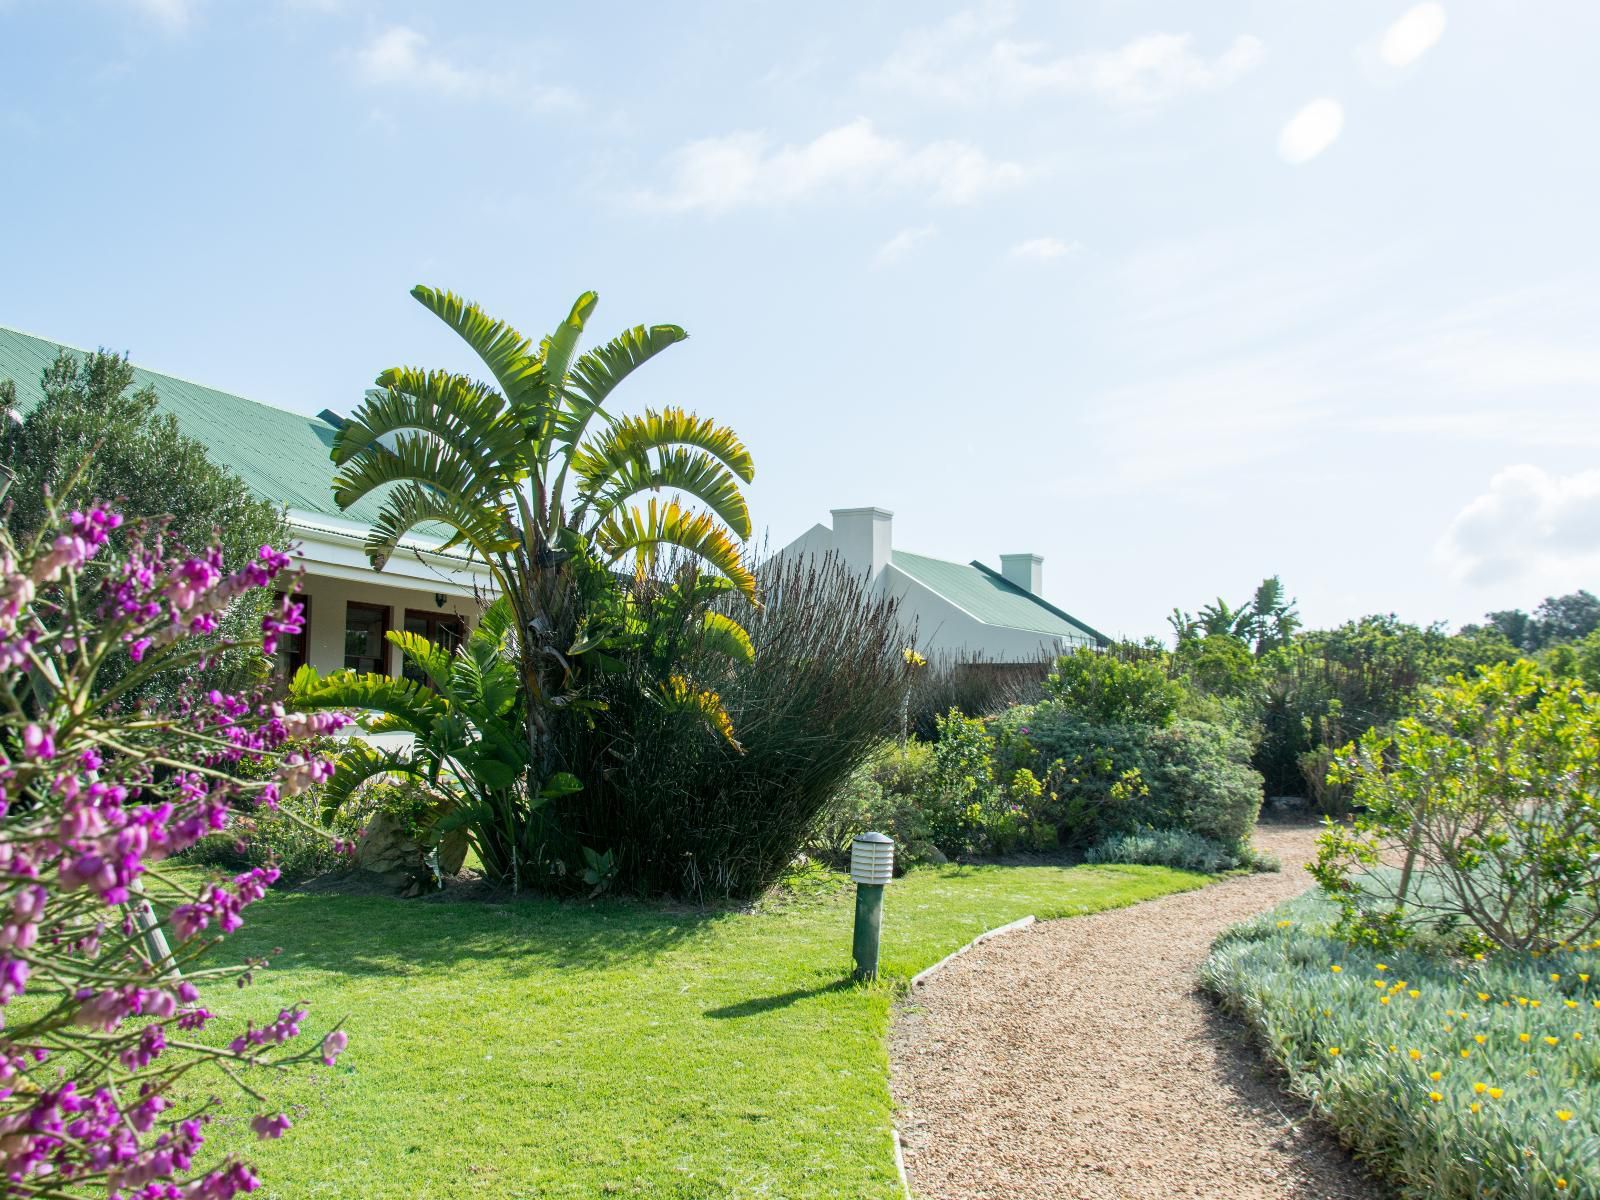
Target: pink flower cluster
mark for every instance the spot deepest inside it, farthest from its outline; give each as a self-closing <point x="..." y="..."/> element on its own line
<point x="91" y="798"/>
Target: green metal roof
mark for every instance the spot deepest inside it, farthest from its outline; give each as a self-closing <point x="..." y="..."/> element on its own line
<point x="991" y="597"/>
<point x="281" y="455"/>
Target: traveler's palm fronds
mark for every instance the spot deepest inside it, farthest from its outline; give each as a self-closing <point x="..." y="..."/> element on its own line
<point x="531" y="467"/>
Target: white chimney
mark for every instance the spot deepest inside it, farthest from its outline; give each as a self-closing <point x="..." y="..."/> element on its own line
<point x="1024" y="570"/>
<point x="862" y="538"/>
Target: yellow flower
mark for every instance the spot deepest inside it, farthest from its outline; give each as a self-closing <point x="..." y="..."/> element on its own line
<point x="1583" y="978"/>
<point x="1333" y="1050"/>
<point x="1383" y="966"/>
<point x="1480" y="1088"/>
<point x="1524" y="1037"/>
<point x="1413" y="993"/>
<point x="1563" y="1114"/>
<point x="1479" y="1038"/>
<point x="1577" y="1037"/>
<point x="1552" y="1041"/>
<point x="1496" y="1093"/>
<point x="1477" y="958"/>
<point x="1436" y="1075"/>
<point x="1465" y="1053"/>
<point x="1393" y="1048"/>
<point x="1474" y="1107"/>
<point x="1533" y="1004"/>
<point x="1561" y="1183"/>
<point x="1383" y="999"/>
<point x="1377" y="983"/>
<point x="1522" y="1000"/>
<point x="1336" y="968"/>
<point x="1596" y="1003"/>
<point x="1555" y="979"/>
<point x="1415" y="1054"/>
<point x="1436" y="1096"/>
<point x="1483" y="995"/>
<point x="1571" y="1003"/>
<point x="1284" y="924"/>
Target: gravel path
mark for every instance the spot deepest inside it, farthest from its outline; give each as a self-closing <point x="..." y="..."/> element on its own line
<point x="1075" y="1059"/>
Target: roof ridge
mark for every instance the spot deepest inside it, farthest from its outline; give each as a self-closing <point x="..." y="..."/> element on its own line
<point x="1039" y="600"/>
<point x="195" y="383"/>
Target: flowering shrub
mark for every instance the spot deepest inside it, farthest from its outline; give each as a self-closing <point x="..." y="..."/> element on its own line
<point x="99" y="1001"/>
<point x="1469" y="1080"/>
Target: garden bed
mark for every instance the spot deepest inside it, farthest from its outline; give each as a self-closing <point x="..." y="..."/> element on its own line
<point x="1478" y="1078"/>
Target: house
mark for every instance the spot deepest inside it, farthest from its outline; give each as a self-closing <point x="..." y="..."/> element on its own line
<point x="283" y="456"/>
<point x="960" y="610"/>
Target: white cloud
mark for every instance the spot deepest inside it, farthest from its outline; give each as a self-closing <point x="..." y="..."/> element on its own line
<point x="402" y="57"/>
<point x="968" y="60"/>
<point x="174" y="14"/>
<point x="1043" y="249"/>
<point x="902" y="244"/>
<point x="742" y="170"/>
<point x="1311" y="131"/>
<point x="1413" y="35"/>
<point x="1529" y="522"/>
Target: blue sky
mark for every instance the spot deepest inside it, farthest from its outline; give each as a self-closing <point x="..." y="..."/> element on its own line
<point x="1175" y="295"/>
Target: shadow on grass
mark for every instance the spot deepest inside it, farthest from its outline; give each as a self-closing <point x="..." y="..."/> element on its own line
<point x="376" y="936"/>
<point x="750" y="1008"/>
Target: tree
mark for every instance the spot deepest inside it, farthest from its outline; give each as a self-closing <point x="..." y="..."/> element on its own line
<point x="1273" y="616"/>
<point x="1567" y="618"/>
<point x="536" y="478"/>
<point x="94" y="436"/>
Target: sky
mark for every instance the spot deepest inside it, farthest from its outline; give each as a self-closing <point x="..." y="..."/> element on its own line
<point x="1177" y="296"/>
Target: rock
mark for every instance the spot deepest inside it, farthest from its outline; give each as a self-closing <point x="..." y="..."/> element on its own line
<point x="388" y="851"/>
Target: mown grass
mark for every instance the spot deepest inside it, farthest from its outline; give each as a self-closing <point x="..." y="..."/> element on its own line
<point x="537" y="1049"/>
<point x="1453" y="1079"/>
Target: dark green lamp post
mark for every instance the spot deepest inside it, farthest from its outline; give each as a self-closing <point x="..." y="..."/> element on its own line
<point x="871" y="866"/>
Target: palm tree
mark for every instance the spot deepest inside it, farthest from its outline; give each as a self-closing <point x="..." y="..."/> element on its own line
<point x="537" y="479"/>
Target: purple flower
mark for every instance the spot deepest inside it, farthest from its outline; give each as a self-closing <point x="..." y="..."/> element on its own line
<point x="269" y="1127"/>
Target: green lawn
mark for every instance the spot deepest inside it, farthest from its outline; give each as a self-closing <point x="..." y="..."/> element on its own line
<point x="535" y="1049"/>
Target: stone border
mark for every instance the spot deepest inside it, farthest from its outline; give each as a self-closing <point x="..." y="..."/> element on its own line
<point x="922" y="977"/>
<point x="900" y="1164"/>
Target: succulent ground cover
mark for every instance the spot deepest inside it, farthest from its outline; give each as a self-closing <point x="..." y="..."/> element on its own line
<point x="1453" y="1077"/>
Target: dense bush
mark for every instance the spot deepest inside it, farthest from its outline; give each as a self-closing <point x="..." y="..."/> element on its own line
<point x="1454" y="1082"/>
<point x="1493" y="791"/>
<point x="682" y="809"/>
<point x="102" y="1070"/>
<point x="1119" y="779"/>
<point x="1110" y="689"/>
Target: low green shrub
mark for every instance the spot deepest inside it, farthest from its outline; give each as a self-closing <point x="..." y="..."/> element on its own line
<point x="1107" y="689"/>
<point x="280" y="837"/>
<point x="1474" y="1079"/>
<point x="1170" y="848"/>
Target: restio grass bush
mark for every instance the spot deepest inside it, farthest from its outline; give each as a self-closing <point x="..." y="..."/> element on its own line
<point x="1471" y="1079"/>
<point x="685" y="811"/>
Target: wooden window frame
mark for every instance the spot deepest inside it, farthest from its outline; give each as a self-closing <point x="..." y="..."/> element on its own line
<point x="433" y="620"/>
<point x="383" y="630"/>
<point x="302" y="655"/>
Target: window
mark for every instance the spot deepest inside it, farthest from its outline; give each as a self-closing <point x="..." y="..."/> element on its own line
<point x="364" y="648"/>
<point x="442" y="629"/>
<point x="293" y="649"/>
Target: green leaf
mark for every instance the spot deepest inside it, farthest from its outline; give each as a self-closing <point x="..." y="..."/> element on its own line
<point x="643" y="531"/>
<point x="562" y="783"/>
<point x="723" y="635"/>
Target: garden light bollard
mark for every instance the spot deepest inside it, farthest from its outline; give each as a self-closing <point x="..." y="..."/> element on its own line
<point x="871" y="865"/>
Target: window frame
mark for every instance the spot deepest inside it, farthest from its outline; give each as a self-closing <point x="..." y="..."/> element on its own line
<point x="385" y="612"/>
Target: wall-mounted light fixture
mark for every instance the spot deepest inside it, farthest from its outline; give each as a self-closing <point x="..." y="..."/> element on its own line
<point x="439" y="598"/>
